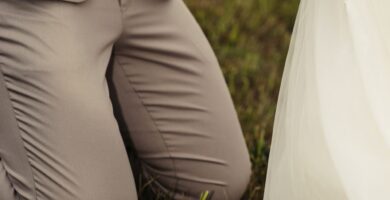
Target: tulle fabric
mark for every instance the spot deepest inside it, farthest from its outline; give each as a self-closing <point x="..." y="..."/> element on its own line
<point x="332" y="127"/>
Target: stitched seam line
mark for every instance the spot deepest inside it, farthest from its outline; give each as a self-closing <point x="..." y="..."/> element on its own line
<point x="2" y="164"/>
<point x="20" y="135"/>
<point x="154" y="123"/>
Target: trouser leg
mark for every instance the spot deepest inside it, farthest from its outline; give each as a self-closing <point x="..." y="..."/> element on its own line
<point x="176" y="105"/>
<point x="58" y="136"/>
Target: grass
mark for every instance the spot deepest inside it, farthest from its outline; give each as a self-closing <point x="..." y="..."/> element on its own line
<point x="250" y="39"/>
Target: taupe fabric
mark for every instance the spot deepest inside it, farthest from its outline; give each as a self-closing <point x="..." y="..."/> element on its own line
<point x="59" y="137"/>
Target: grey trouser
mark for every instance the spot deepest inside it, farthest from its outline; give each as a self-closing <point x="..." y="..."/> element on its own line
<point x="59" y="136"/>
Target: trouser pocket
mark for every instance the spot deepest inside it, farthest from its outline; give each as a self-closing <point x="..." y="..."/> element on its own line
<point x="73" y="1"/>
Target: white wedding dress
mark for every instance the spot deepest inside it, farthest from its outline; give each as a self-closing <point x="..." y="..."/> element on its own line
<point x="331" y="138"/>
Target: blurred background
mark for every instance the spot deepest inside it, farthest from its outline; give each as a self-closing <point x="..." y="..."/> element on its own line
<point x="250" y="39"/>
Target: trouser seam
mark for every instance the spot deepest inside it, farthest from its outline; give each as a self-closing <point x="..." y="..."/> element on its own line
<point x="20" y="136"/>
<point x="153" y="121"/>
<point x="6" y="172"/>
